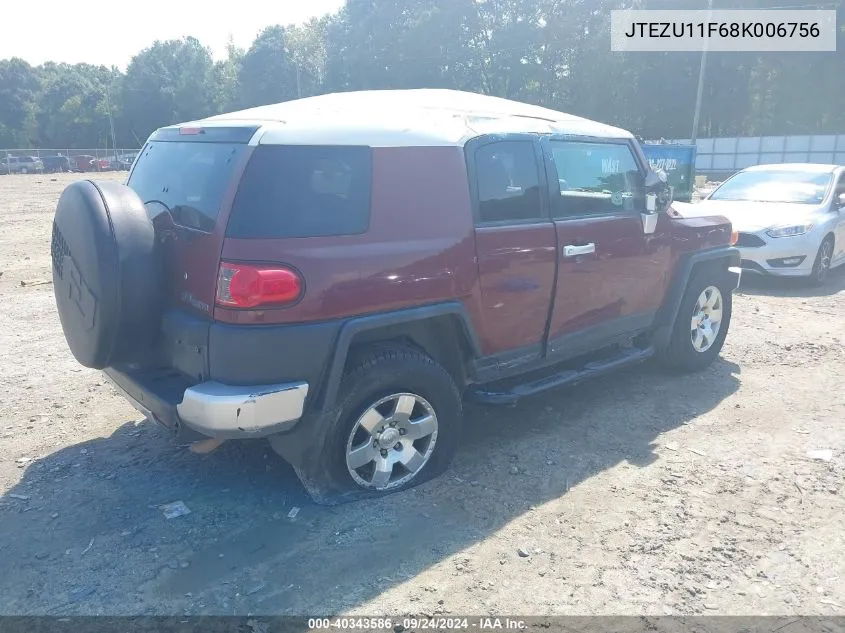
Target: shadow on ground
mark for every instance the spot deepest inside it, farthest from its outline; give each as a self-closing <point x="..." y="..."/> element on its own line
<point x="792" y="287"/>
<point x="83" y="534"/>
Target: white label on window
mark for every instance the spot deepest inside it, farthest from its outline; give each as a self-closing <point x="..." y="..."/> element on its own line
<point x="610" y="166"/>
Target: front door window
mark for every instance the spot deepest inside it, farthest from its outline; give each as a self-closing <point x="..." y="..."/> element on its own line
<point x="596" y="179"/>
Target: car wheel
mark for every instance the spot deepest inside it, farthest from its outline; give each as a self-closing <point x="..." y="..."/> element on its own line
<point x="701" y="325"/>
<point x="396" y="424"/>
<point x="821" y="267"/>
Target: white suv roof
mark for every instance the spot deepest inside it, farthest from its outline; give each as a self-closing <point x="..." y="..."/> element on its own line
<point x="394" y="118"/>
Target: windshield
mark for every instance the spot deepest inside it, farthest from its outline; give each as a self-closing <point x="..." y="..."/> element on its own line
<point x="189" y="178"/>
<point x="775" y="186"/>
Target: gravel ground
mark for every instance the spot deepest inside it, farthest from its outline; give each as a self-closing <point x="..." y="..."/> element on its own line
<point x="640" y="493"/>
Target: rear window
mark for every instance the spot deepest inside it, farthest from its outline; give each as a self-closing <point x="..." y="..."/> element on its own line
<point x="303" y="191"/>
<point x="189" y="178"/>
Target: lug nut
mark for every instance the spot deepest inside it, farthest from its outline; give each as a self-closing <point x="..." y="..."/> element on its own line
<point x="402" y="431"/>
<point x="384" y="452"/>
<point x="398" y="446"/>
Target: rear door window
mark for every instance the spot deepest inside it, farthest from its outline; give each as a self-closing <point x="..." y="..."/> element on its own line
<point x="303" y="191"/>
<point x="189" y="178"/>
<point x="508" y="183"/>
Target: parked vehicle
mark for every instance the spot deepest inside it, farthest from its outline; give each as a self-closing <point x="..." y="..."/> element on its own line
<point x="339" y="273"/>
<point x="124" y="162"/>
<point x="104" y="164"/>
<point x="84" y="163"/>
<point x="57" y="163"/>
<point x="21" y="165"/>
<point x="790" y="218"/>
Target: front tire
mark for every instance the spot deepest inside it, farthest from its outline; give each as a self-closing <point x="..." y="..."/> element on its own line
<point x="701" y="325"/>
<point x="397" y="424"/>
<point x="821" y="267"/>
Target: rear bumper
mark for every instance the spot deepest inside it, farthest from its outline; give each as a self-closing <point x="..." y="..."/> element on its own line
<point x="212" y="408"/>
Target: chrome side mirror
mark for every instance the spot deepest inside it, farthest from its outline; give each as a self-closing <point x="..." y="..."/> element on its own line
<point x="658" y="198"/>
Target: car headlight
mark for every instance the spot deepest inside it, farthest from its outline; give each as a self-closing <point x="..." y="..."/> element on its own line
<point x="789" y="231"/>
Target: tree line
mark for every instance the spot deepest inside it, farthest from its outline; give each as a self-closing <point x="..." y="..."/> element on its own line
<point x="554" y="53"/>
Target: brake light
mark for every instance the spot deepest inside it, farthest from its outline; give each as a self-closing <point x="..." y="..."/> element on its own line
<point x="734" y="237"/>
<point x="247" y="286"/>
<point x="190" y="131"/>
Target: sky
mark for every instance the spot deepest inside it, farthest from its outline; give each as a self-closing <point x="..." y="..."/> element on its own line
<point x="110" y="33"/>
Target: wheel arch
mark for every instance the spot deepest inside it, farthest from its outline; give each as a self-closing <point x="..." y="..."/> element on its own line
<point x="442" y="331"/>
<point x="829" y="235"/>
<point x="718" y="259"/>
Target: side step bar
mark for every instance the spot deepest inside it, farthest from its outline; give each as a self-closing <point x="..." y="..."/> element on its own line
<point x="490" y="395"/>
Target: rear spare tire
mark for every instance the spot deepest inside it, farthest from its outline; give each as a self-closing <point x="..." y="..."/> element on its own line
<point x="105" y="273"/>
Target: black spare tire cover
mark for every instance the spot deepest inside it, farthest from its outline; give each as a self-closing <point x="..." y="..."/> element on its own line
<point x="105" y="273"/>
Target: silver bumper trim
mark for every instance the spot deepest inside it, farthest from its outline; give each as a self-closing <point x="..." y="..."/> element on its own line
<point x="228" y="411"/>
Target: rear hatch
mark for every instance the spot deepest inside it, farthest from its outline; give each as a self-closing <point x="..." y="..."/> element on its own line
<point x="187" y="178"/>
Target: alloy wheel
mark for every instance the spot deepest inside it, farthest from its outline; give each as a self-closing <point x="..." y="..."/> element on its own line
<point x="706" y="319"/>
<point x="391" y="441"/>
<point x="825" y="255"/>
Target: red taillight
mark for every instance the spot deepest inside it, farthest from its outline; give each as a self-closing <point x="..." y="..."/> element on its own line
<point x="190" y="131"/>
<point x="246" y="286"/>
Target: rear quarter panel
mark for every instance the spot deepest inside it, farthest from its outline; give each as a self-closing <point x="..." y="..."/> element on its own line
<point x="419" y="248"/>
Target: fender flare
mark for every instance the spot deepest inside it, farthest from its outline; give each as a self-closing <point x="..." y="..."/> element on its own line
<point x="684" y="271"/>
<point x="356" y="325"/>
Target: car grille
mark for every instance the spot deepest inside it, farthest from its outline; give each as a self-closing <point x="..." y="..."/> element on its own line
<point x="747" y="240"/>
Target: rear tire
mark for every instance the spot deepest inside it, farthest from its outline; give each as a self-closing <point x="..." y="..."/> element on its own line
<point x="402" y="451"/>
<point x="692" y="349"/>
<point x="821" y="267"/>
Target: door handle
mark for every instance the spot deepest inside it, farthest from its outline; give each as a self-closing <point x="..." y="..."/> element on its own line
<point x="573" y="251"/>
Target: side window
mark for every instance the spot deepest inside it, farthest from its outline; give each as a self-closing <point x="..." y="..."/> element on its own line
<point x="303" y="191"/>
<point x="840" y="185"/>
<point x="508" y="182"/>
<point x="595" y="179"/>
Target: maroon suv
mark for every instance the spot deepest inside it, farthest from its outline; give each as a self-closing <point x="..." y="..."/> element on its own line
<point x="340" y="273"/>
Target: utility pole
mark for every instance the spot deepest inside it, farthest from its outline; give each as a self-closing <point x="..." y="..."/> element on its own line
<point x="111" y="122"/>
<point x="700" y="93"/>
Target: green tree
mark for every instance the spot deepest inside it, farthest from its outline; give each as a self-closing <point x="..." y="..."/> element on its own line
<point x="19" y="86"/>
<point x="73" y="105"/>
<point x="378" y="44"/>
<point x="169" y="82"/>
<point x="550" y="52"/>
<point x="306" y="50"/>
<point x="226" y="78"/>
<point x="267" y="75"/>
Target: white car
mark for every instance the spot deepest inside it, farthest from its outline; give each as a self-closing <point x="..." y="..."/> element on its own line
<point x="790" y="218"/>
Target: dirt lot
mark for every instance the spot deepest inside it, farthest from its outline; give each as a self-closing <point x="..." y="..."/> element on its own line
<point x="639" y="493"/>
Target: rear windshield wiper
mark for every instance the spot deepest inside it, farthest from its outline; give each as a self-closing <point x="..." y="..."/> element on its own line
<point x="192" y="218"/>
